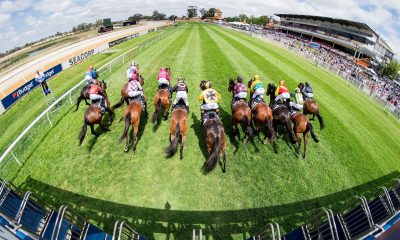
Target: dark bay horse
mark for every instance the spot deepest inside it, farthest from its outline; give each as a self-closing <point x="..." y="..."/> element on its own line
<point x="280" y="113"/>
<point x="93" y="115"/>
<point x="241" y="113"/>
<point x="216" y="144"/>
<point x="311" y="107"/>
<point x="302" y="125"/>
<point x="84" y="95"/>
<point x="124" y="94"/>
<point x="132" y="116"/>
<point x="178" y="130"/>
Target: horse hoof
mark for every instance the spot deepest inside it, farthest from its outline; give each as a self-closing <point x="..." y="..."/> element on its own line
<point x="126" y="149"/>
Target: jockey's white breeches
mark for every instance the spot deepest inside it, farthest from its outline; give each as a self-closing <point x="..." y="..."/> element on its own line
<point x="181" y="95"/>
<point x="209" y="106"/>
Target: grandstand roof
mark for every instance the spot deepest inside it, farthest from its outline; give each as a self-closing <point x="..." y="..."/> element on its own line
<point x="328" y="19"/>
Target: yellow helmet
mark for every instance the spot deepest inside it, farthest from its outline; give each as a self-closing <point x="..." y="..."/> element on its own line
<point x="297" y="90"/>
<point x="281" y="82"/>
<point x="256" y="77"/>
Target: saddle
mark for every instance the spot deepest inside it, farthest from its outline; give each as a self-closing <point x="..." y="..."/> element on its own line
<point x="138" y="99"/>
<point x="180" y="105"/>
<point x="236" y="101"/>
<point x="164" y="86"/>
<point x="277" y="104"/>
<point x="256" y="101"/>
<point x="210" y="115"/>
<point x="98" y="103"/>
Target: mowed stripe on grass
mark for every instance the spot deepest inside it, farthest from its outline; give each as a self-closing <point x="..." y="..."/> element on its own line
<point x="358" y="145"/>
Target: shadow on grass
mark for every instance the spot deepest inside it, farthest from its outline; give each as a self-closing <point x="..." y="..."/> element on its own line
<point x="200" y="134"/>
<point x="216" y="224"/>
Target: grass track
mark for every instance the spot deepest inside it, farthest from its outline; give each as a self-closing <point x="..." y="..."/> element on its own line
<point x="169" y="196"/>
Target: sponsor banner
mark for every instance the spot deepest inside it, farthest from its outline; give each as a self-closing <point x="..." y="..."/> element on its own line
<point x="2" y="109"/>
<point x="28" y="87"/>
<point x="116" y="42"/>
<point x="83" y="56"/>
<point x="133" y="36"/>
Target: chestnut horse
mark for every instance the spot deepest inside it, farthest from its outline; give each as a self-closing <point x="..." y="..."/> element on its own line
<point x="93" y="115"/>
<point x="178" y="130"/>
<point x="216" y="144"/>
<point x="241" y="113"/>
<point x="262" y="115"/>
<point x="280" y="113"/>
<point x="302" y="125"/>
<point x="311" y="107"/>
<point x="84" y="95"/>
<point x="124" y="94"/>
<point x="161" y="100"/>
<point x="132" y="116"/>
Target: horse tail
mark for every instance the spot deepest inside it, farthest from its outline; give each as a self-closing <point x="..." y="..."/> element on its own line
<point x="118" y="104"/>
<point x="82" y="133"/>
<point x="314" y="137"/>
<point x="321" y="121"/>
<point x="214" y="156"/>
<point x="271" y="131"/>
<point x="127" y="124"/>
<point x="157" y="111"/>
<point x="246" y="125"/>
<point x="172" y="147"/>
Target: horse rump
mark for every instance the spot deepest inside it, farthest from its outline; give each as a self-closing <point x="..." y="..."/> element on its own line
<point x="171" y="149"/>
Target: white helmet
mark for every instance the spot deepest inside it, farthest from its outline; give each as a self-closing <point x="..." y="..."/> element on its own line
<point x="133" y="64"/>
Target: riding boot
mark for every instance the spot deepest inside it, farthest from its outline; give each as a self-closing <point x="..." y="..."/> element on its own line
<point x="187" y="109"/>
<point x="102" y="105"/>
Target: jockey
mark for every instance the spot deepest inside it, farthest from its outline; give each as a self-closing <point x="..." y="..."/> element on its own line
<point x="239" y="90"/>
<point x="256" y="87"/>
<point x="96" y="94"/>
<point x="307" y="91"/>
<point x="163" y="77"/>
<point x="133" y="72"/>
<point x="282" y="92"/>
<point x="41" y="78"/>
<point x="181" y="90"/>
<point x="91" y="72"/>
<point x="299" y="101"/>
<point x="210" y="98"/>
<point x="136" y="90"/>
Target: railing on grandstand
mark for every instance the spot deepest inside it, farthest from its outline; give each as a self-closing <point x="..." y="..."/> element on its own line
<point x="68" y="96"/>
<point x="349" y="79"/>
<point x="362" y="219"/>
<point x="29" y="217"/>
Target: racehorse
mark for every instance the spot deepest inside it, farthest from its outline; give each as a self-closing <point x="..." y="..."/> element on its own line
<point x="85" y="94"/>
<point x="132" y="116"/>
<point x="311" y="107"/>
<point x="241" y="113"/>
<point x="302" y="125"/>
<point x="216" y="143"/>
<point x="178" y="129"/>
<point x="280" y="113"/>
<point x="124" y="94"/>
<point x="93" y="115"/>
<point x="161" y="100"/>
<point x="262" y="115"/>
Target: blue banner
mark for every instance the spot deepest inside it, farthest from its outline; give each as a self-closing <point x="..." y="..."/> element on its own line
<point x="28" y="87"/>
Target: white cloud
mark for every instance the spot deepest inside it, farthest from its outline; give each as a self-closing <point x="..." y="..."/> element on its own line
<point x="61" y="15"/>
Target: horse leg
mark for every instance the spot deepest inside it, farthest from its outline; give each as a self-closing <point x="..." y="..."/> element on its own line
<point x="78" y="102"/>
<point x="271" y="132"/>
<point x="103" y="127"/>
<point x="86" y="102"/>
<point x="313" y="117"/>
<point x="166" y="111"/>
<point x="305" y="144"/>
<point x="134" y="140"/>
<point x="298" y="139"/>
<point x="224" y="161"/>
<point x="182" y="145"/>
<point x="92" y="130"/>
<point x="320" y="120"/>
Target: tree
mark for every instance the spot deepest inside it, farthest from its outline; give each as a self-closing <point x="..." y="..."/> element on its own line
<point x="192" y="11"/>
<point x="391" y="70"/>
<point x="211" y="12"/>
<point x="136" y="17"/>
<point x="204" y="13"/>
<point x="172" y="17"/>
<point x="243" y="17"/>
<point x="158" y="16"/>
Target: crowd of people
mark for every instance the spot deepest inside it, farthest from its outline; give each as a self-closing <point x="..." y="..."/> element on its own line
<point x="341" y="63"/>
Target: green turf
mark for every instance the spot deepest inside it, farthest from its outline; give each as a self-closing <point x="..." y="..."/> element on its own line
<point x="167" y="198"/>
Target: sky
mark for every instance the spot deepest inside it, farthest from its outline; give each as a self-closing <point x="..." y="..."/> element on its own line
<point x="23" y="21"/>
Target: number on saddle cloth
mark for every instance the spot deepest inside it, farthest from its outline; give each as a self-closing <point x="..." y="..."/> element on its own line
<point x="256" y="101"/>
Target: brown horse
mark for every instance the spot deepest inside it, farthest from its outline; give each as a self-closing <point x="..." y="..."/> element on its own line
<point x="132" y="116"/>
<point x="262" y="116"/>
<point x="302" y="125"/>
<point x="124" y="94"/>
<point x="241" y="113"/>
<point x="93" y="115"/>
<point x="311" y="107"/>
<point x="161" y="100"/>
<point x="280" y="113"/>
<point x="178" y="130"/>
<point x="216" y="144"/>
<point x="85" y="95"/>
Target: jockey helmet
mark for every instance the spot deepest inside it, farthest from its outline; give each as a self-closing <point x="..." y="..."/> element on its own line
<point x="239" y="79"/>
<point x="297" y="90"/>
<point x="256" y="77"/>
<point x="133" y="64"/>
<point x="181" y="80"/>
<point x="91" y="67"/>
<point x="281" y="82"/>
<point x="162" y="69"/>
<point x="307" y="84"/>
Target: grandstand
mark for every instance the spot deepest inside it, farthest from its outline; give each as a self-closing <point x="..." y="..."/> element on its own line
<point x="355" y="38"/>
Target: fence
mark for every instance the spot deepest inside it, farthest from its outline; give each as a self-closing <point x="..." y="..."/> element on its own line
<point x="360" y="85"/>
<point x="48" y="117"/>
